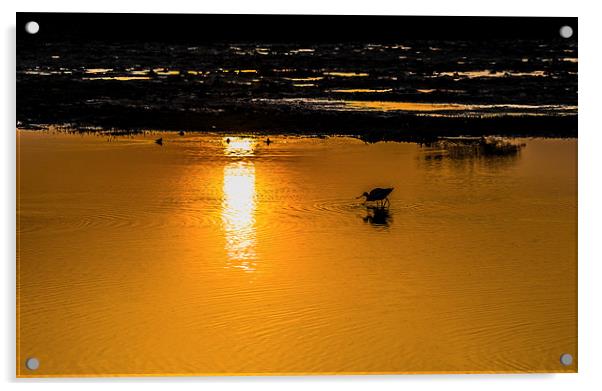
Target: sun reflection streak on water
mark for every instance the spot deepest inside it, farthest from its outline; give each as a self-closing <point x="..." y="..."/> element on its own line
<point x="239" y="205"/>
<point x="239" y="146"/>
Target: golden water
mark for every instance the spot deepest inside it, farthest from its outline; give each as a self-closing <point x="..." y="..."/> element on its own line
<point x="207" y="257"/>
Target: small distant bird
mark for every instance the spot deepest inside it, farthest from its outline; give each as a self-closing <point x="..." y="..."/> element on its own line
<point x="268" y="141"/>
<point x="159" y="141"/>
<point x="182" y="133"/>
<point x="381" y="196"/>
<point x="228" y="140"/>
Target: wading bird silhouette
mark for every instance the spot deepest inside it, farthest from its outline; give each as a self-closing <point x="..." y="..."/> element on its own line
<point x="379" y="195"/>
<point x="159" y="141"/>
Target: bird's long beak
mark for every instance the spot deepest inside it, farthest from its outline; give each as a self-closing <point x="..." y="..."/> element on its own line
<point x="360" y="196"/>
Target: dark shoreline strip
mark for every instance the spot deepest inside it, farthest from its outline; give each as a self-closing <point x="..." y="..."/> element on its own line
<point x="367" y="126"/>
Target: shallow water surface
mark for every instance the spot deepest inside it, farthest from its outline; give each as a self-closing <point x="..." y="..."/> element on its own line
<point x="204" y="256"/>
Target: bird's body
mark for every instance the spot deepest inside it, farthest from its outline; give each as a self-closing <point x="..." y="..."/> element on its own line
<point x="159" y="141"/>
<point x="379" y="195"/>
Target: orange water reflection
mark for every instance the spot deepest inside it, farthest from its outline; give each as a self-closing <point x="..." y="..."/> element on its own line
<point x="138" y="257"/>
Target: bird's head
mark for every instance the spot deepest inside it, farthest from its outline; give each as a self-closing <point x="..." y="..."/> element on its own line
<point x="365" y="194"/>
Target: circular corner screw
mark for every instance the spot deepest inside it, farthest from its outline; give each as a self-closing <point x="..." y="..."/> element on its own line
<point x="32" y="27"/>
<point x="566" y="359"/>
<point x="32" y="363"/>
<point x="566" y="31"/>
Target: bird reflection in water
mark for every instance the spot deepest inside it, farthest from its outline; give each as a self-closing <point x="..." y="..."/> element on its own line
<point x="239" y="204"/>
<point x="378" y="216"/>
<point x="378" y="211"/>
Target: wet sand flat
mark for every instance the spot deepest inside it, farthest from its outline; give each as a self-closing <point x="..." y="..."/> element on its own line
<point x="411" y="87"/>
